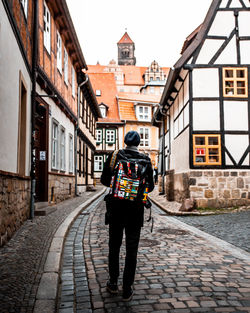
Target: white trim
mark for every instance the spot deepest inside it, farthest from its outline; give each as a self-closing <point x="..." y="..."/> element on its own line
<point x="59" y="51"/>
<point x="54" y="147"/>
<point x="66" y="65"/>
<point x="62" y="148"/>
<point x="46" y="27"/>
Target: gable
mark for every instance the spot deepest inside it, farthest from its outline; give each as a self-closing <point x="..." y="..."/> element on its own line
<point x="229" y="26"/>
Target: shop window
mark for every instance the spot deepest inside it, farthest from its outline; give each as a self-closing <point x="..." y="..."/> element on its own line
<point x="235" y="82"/>
<point x="207" y="150"/>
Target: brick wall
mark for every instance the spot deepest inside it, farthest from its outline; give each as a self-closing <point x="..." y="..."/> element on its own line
<point x="14" y="205"/>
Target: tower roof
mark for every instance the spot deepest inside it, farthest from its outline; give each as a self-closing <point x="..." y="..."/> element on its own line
<point x="125" y="39"/>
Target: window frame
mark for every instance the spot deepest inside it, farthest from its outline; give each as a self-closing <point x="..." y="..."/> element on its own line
<point x="106" y="136"/>
<point x="59" y="51"/>
<point x="71" y="153"/>
<point x="46" y="27"/>
<point x="101" y="135"/>
<point x="144" y="114"/>
<point x="143" y="140"/>
<point x="66" y="66"/>
<point x="54" y="154"/>
<point x="206" y="147"/>
<point x="73" y="82"/>
<point x="98" y="168"/>
<point x="62" y="149"/>
<point x="235" y="80"/>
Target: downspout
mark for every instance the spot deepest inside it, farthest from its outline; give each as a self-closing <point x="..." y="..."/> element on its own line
<point x="33" y="110"/>
<point x="77" y="126"/>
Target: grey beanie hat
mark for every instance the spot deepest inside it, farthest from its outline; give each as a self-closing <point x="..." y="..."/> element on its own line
<point x="132" y="138"/>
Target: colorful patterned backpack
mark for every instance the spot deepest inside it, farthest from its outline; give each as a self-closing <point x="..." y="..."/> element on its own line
<point x="129" y="178"/>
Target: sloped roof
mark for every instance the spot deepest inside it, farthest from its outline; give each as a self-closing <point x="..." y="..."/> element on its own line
<point x="133" y="75"/>
<point x="125" y="39"/>
<point x="137" y="97"/>
<point x="188" y="52"/>
<point x="127" y="111"/>
<point x="106" y="83"/>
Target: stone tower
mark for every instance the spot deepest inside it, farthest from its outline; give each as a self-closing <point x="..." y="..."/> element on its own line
<point x="126" y="51"/>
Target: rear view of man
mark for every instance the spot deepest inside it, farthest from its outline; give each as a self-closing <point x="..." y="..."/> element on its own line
<point x="124" y="214"/>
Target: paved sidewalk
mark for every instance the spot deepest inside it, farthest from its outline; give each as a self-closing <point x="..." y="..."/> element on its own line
<point x="179" y="270"/>
<point x="22" y="259"/>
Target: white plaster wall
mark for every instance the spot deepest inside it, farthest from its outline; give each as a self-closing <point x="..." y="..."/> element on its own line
<point x="236" y="115"/>
<point x="179" y="158"/>
<point x="247" y="3"/>
<point x="244" y="18"/>
<point x="181" y="97"/>
<point x="206" y="115"/>
<point x="11" y="64"/>
<point x="245" y="51"/>
<point x="186" y="90"/>
<point x="61" y="118"/>
<point x="223" y="24"/>
<point x="236" y="145"/>
<point x="229" y="54"/>
<point x="235" y="4"/>
<point x="205" y="82"/>
<point x="186" y="115"/>
<point x="223" y="3"/>
<point x="208" y="50"/>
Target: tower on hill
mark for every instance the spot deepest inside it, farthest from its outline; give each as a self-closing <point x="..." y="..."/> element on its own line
<point x="126" y="51"/>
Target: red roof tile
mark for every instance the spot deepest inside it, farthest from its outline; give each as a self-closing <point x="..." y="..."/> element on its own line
<point x="125" y="39"/>
<point x="105" y="82"/>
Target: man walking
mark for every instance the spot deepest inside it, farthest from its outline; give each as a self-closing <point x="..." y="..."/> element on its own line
<point x="124" y="214"/>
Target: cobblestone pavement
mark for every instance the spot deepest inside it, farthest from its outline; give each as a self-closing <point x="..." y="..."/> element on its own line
<point x="178" y="271"/>
<point x="22" y="258"/>
<point x="231" y="227"/>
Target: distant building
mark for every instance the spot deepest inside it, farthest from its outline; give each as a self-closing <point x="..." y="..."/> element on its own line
<point x="128" y="95"/>
<point x="204" y="112"/>
<point x="126" y="51"/>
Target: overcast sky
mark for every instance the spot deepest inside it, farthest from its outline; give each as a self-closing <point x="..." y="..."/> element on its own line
<point x="157" y="27"/>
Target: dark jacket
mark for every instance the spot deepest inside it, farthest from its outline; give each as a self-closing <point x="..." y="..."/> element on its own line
<point x="125" y="211"/>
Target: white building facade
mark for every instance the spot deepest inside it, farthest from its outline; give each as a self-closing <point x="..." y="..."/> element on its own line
<point x="204" y="116"/>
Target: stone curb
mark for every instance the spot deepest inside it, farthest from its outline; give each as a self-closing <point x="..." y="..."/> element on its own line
<point x="48" y="286"/>
<point x="181" y="213"/>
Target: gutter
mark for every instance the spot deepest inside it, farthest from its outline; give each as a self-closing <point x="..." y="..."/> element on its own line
<point x="77" y="127"/>
<point x="33" y="110"/>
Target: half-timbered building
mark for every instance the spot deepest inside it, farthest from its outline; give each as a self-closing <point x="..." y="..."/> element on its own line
<point x="204" y="114"/>
<point x="15" y="110"/>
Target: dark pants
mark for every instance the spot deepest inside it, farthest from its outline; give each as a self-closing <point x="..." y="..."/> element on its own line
<point x="132" y="236"/>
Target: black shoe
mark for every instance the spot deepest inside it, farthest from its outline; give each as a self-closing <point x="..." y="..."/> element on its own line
<point x="127" y="294"/>
<point x="112" y="288"/>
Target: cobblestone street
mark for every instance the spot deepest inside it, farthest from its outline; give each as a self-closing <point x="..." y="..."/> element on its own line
<point x="178" y="271"/>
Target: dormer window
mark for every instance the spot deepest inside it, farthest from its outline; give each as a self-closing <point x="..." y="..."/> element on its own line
<point x="103" y="108"/>
<point x="98" y="92"/>
<point x="143" y="113"/>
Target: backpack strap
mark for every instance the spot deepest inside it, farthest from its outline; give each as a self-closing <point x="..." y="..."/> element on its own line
<point x="113" y="159"/>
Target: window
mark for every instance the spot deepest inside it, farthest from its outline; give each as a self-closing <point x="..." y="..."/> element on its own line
<point x="46" y="27"/>
<point x="144" y="135"/>
<point x="98" y="92"/>
<point x="144" y="113"/>
<point x="103" y="111"/>
<point x="54" y="164"/>
<point x="99" y="135"/>
<point x="73" y="82"/>
<point x="59" y="52"/>
<point x="70" y="153"/>
<point x="235" y="82"/>
<point x="206" y="149"/>
<point x="25" y="6"/>
<point x="110" y="136"/>
<point x="98" y="163"/>
<point x="62" y="149"/>
<point x="66" y="66"/>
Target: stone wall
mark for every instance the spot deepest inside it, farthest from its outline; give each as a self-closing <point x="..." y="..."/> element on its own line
<point x="220" y="188"/>
<point x="61" y="187"/>
<point x="14" y="205"/>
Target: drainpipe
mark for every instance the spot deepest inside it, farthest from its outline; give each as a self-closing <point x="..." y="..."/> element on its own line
<point x="33" y="110"/>
<point x="77" y="126"/>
